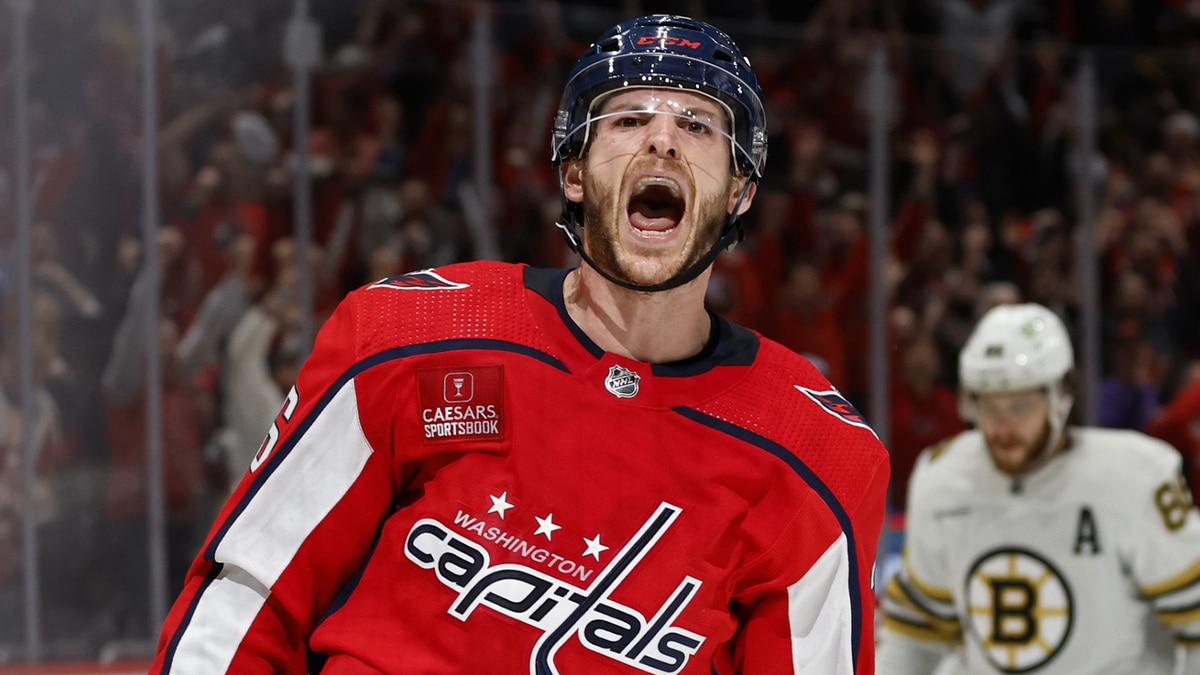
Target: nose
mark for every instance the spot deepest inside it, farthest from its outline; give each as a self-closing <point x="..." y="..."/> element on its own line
<point x="996" y="425"/>
<point x="661" y="139"/>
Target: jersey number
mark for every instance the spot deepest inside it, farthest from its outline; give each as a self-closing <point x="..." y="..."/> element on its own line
<point x="284" y="416"/>
<point x="1173" y="500"/>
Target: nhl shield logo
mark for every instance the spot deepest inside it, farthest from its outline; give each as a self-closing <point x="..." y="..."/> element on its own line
<point x="622" y="382"/>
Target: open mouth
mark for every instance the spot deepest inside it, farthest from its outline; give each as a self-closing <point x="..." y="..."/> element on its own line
<point x="656" y="205"/>
<point x="1005" y="447"/>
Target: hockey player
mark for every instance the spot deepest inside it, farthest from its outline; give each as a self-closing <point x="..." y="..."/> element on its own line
<point x="1035" y="547"/>
<point x="488" y="468"/>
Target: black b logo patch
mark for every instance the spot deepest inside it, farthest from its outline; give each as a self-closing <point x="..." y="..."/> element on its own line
<point x="1020" y="609"/>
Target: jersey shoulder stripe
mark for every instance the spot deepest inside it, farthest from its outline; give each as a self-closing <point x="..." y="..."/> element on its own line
<point x="783" y="398"/>
<point x="835" y="457"/>
<point x="281" y="453"/>
<point x="818" y="486"/>
<point x="169" y="656"/>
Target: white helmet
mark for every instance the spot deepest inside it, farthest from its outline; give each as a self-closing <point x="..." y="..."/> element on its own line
<point x="1015" y="347"/>
<point x="1018" y="347"/>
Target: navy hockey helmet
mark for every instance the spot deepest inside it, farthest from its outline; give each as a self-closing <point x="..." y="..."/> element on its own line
<point x="667" y="51"/>
<point x="670" y="52"/>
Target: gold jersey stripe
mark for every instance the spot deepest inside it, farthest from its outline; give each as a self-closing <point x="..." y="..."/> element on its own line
<point x="934" y="592"/>
<point x="1177" y="617"/>
<point x="921" y="632"/>
<point x="1176" y="583"/>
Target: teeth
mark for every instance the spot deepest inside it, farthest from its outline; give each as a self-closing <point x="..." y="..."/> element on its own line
<point x="656" y="181"/>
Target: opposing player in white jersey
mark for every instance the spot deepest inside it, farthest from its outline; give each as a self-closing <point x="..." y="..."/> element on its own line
<point x="1032" y="546"/>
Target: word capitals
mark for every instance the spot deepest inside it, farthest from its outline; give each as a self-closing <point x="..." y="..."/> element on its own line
<point x="558" y="609"/>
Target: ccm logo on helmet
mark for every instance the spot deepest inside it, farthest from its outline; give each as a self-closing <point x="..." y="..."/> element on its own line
<point x="647" y="40"/>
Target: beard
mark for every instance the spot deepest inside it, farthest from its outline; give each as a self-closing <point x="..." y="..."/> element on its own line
<point x="604" y="214"/>
<point x="1030" y="454"/>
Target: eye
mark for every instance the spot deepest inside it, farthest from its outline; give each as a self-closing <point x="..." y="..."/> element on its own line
<point x="696" y="127"/>
<point x="627" y="122"/>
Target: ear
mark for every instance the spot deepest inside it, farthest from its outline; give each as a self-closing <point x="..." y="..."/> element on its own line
<point x="737" y="183"/>
<point x="573" y="180"/>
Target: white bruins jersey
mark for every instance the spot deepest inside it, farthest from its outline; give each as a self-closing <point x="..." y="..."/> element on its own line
<point x="1090" y="564"/>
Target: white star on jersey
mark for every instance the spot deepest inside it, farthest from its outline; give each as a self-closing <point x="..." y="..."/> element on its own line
<point x="546" y="525"/>
<point x="500" y="504"/>
<point x="594" y="547"/>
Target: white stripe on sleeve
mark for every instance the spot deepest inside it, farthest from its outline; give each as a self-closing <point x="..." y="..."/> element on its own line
<point x="305" y="487"/>
<point x="209" y="644"/>
<point x="261" y="543"/>
<point x="820" y="616"/>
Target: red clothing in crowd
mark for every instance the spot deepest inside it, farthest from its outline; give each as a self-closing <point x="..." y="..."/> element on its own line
<point x="917" y="423"/>
<point x="1178" y="423"/>
<point x="814" y="334"/>
<point x="182" y="455"/>
<point x="848" y="282"/>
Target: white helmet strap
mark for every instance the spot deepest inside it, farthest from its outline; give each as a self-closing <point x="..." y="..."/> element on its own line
<point x="1060" y="403"/>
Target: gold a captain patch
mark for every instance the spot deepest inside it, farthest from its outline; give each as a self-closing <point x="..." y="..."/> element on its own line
<point x="463" y="403"/>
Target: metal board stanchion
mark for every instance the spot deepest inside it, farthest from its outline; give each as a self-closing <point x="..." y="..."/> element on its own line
<point x="302" y="52"/>
<point x="156" y="508"/>
<point x="29" y="535"/>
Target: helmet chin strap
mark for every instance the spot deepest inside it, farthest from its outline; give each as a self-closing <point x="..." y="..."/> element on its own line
<point x="1060" y="409"/>
<point x="731" y="235"/>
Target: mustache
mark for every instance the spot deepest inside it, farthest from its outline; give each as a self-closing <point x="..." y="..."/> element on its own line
<point x="647" y="164"/>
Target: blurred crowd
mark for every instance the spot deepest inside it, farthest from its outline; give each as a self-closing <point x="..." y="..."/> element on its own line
<point x="986" y="155"/>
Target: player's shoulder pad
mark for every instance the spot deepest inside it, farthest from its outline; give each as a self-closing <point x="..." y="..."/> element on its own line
<point x="456" y="277"/>
<point x="787" y="400"/>
<point x="950" y="461"/>
<point x="1125" y="455"/>
<point x="938" y="450"/>
<point x="474" y="300"/>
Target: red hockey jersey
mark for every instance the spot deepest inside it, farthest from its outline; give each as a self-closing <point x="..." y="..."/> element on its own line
<point x="462" y="482"/>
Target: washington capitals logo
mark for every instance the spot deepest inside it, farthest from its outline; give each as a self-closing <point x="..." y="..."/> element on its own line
<point x="422" y="280"/>
<point x="835" y="404"/>
<point x="558" y="609"/>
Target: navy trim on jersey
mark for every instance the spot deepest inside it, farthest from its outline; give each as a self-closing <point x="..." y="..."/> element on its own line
<point x="301" y="428"/>
<point x="169" y="656"/>
<point x="599" y="589"/>
<point x="548" y="283"/>
<point x="818" y="486"/>
<point x="731" y="344"/>
<point x="734" y="346"/>
<point x="303" y="425"/>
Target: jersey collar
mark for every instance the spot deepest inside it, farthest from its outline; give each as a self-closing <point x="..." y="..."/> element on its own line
<point x="729" y="344"/>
